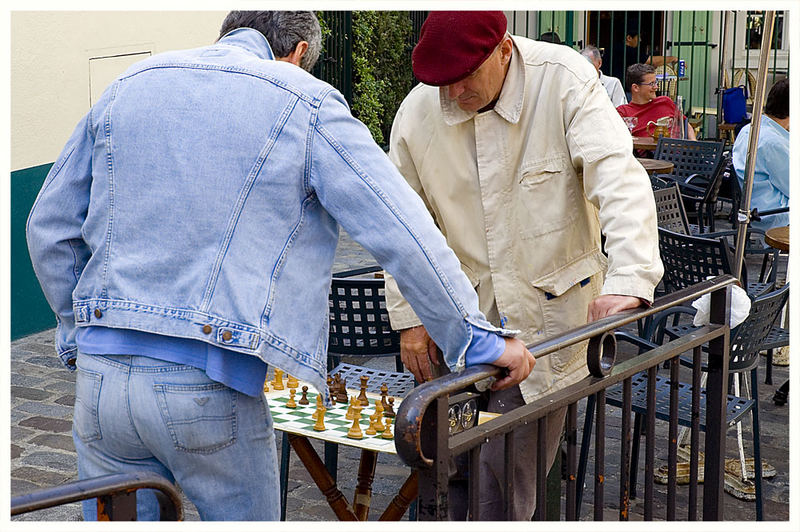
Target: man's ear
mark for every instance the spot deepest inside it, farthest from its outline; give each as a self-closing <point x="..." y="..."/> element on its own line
<point x="297" y="54"/>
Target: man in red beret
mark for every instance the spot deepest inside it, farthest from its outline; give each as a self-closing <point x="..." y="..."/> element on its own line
<point x="522" y="160"/>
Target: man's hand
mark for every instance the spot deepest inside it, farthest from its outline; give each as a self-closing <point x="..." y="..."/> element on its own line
<point x="610" y="304"/>
<point x="519" y="362"/>
<point x="418" y="351"/>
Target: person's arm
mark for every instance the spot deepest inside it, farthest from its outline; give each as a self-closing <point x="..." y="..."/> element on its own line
<point x="57" y="249"/>
<point x="775" y="158"/>
<point x="360" y="187"/>
<point x="658" y="60"/>
<point x="618" y="186"/>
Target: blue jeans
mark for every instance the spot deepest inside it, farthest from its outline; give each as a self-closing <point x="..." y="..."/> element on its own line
<point x="135" y="413"/>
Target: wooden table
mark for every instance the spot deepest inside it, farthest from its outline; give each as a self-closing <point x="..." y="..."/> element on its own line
<point x="299" y="432"/>
<point x="656" y="166"/>
<point x="644" y="143"/>
<point x="778" y="237"/>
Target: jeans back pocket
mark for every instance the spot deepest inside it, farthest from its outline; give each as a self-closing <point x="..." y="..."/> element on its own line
<point x="85" y="420"/>
<point x="201" y="418"/>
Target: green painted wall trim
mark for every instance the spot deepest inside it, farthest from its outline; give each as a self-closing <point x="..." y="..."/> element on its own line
<point x="30" y="312"/>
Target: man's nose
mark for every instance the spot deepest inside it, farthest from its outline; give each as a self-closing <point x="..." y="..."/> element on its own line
<point x="455" y="90"/>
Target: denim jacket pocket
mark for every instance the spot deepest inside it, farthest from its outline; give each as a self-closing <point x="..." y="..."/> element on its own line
<point x="87" y="401"/>
<point x="200" y="418"/>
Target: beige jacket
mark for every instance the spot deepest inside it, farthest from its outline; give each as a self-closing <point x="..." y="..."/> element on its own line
<point x="517" y="192"/>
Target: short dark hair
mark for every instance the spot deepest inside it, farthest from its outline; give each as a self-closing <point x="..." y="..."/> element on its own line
<point x="283" y="30"/>
<point x="778" y="100"/>
<point x="550" y="36"/>
<point x="636" y="73"/>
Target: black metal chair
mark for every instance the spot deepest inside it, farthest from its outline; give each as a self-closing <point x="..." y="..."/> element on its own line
<point x="746" y="341"/>
<point x="358" y="327"/>
<point x="359" y="323"/>
<point x="691" y="259"/>
<point x="671" y="215"/>
<point x="692" y="158"/>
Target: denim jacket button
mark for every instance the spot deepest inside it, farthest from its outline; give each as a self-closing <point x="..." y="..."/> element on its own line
<point x="227" y="335"/>
<point x="206" y="329"/>
<point x="97" y="313"/>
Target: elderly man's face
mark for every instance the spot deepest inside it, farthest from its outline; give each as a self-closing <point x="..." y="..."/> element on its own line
<point x="483" y="86"/>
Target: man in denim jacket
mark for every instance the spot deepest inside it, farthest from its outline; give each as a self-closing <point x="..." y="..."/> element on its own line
<point x="185" y="239"/>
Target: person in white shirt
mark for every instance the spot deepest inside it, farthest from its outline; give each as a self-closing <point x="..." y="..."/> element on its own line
<point x="612" y="85"/>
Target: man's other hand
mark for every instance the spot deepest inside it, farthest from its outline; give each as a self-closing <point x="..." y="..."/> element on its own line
<point x="418" y="352"/>
<point x="610" y="304"/>
<point x="519" y="362"/>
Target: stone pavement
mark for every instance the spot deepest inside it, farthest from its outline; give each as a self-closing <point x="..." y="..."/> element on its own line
<point x="42" y="452"/>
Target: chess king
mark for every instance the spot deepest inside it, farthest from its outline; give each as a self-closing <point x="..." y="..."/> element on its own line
<point x="185" y="239"/>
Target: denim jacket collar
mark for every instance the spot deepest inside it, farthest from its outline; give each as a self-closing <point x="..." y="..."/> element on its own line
<point x="250" y="40"/>
<point x="509" y="104"/>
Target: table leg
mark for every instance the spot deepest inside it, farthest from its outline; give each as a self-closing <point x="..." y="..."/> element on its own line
<point x="322" y="478"/>
<point x="408" y="492"/>
<point x="363" y="494"/>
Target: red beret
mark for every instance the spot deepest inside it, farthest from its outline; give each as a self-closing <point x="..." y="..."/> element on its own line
<point x="453" y="44"/>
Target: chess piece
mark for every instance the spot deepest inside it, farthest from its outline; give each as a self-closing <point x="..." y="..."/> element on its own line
<point x="291" y="403"/>
<point x="341" y="388"/>
<point x="304" y="397"/>
<point x="378" y="415"/>
<point x="319" y="426"/>
<point x="331" y="389"/>
<point x="384" y="395"/>
<point x="266" y="385"/>
<point x="349" y="413"/>
<point x="292" y="382"/>
<point x="390" y="410"/>
<point x="278" y="382"/>
<point x="315" y="413"/>
<point x="355" y="430"/>
<point x="372" y="430"/>
<point x="362" y="397"/>
<point x="387" y="434"/>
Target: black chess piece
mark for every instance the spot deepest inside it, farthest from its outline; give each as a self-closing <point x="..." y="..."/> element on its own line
<point x="389" y="412"/>
<point x="304" y="398"/>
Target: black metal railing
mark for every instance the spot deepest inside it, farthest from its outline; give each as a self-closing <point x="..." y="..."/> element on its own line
<point x="423" y="441"/>
<point x="115" y="494"/>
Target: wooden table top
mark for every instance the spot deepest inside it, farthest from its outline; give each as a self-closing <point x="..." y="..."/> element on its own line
<point x="644" y="143"/>
<point x="656" y="166"/>
<point x="778" y="237"/>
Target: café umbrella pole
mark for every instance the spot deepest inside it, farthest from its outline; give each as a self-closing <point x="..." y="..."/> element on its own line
<point x="743" y="216"/>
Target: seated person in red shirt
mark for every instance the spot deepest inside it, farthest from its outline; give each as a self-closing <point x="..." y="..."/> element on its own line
<point x="646" y="106"/>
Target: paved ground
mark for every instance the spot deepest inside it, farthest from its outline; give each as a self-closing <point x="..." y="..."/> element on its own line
<point x="42" y="452"/>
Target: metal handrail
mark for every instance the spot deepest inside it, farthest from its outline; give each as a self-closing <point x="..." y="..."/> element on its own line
<point x="115" y="494"/>
<point x="408" y="424"/>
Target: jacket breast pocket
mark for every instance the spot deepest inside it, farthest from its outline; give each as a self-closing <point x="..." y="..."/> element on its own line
<point x="547" y="196"/>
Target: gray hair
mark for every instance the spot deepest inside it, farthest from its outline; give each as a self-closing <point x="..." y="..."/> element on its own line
<point x="283" y="30"/>
<point x="591" y="53"/>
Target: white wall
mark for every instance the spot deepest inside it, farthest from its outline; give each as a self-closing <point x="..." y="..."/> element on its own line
<point x="61" y="60"/>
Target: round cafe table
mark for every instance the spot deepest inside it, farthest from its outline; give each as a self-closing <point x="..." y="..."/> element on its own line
<point x="778" y="237"/>
<point x="656" y="166"/>
<point x="644" y="143"/>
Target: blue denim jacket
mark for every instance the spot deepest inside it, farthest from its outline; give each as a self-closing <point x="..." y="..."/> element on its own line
<point x="199" y="198"/>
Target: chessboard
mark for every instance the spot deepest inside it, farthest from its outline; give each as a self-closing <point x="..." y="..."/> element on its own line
<point x="298" y="420"/>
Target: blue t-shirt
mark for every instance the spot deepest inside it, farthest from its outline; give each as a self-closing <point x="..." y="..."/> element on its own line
<point x="243" y="373"/>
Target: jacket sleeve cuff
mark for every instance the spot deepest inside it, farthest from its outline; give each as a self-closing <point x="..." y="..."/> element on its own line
<point x="629" y="286"/>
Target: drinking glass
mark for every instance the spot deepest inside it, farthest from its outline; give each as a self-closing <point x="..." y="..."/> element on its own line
<point x="631" y="122"/>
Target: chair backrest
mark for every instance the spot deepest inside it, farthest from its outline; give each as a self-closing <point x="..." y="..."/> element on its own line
<point x="359" y="322"/>
<point x="749" y="336"/>
<point x="690" y="259"/>
<point x="690" y="156"/>
<point x="670" y="211"/>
